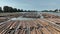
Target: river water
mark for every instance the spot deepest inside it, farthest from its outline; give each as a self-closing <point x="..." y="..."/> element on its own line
<point x="54" y="13"/>
<point x="20" y="18"/>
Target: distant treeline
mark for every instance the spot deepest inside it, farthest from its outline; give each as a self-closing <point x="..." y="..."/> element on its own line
<point x="11" y="9"/>
<point x="56" y="10"/>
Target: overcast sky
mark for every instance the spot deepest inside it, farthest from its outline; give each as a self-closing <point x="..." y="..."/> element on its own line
<point x="31" y="4"/>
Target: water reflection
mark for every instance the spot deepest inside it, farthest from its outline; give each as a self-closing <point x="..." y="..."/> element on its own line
<point x="39" y="13"/>
<point x="19" y="18"/>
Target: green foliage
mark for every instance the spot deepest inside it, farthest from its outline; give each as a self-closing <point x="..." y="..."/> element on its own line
<point x="1" y="10"/>
<point x="11" y="9"/>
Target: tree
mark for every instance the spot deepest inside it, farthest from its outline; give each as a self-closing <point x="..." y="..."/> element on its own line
<point x="5" y="9"/>
<point x="10" y="9"/>
<point x="15" y="10"/>
<point x="59" y="9"/>
<point x="56" y="10"/>
<point x="1" y="9"/>
<point x="18" y="10"/>
<point x="50" y="10"/>
<point x="25" y="10"/>
<point x="21" y="10"/>
<point x="29" y="11"/>
<point x="45" y="11"/>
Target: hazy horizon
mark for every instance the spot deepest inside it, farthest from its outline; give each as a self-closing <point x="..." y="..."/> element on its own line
<point x="32" y="4"/>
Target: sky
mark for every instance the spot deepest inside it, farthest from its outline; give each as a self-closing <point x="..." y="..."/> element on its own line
<point x="32" y="4"/>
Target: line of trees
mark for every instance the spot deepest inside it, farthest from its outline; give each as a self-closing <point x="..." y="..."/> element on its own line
<point x="56" y="10"/>
<point x="11" y="9"/>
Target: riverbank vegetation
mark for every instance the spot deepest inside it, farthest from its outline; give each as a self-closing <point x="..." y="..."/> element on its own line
<point x="7" y="9"/>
